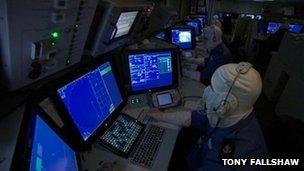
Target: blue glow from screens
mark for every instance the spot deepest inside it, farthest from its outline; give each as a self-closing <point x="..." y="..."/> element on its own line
<point x="295" y="28"/>
<point x="49" y="151"/>
<point x="161" y="35"/>
<point x="150" y="70"/>
<point x="195" y="25"/>
<point x="91" y="99"/>
<point x="273" y="27"/>
<point x="182" y="38"/>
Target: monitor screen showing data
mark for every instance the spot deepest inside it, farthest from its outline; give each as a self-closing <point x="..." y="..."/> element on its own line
<point x="202" y="19"/>
<point x="150" y="70"/>
<point x="196" y="24"/>
<point x="182" y="38"/>
<point x="273" y="27"/>
<point x="160" y="35"/>
<point x="124" y="23"/>
<point x="295" y="28"/>
<point x="91" y="99"/>
<point x="49" y="151"/>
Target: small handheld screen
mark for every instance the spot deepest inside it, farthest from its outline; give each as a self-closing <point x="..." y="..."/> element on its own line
<point x="182" y="38"/>
<point x="164" y="99"/>
<point x="91" y="99"/>
<point x="49" y="151"/>
<point x="150" y="70"/>
<point x="124" y="23"/>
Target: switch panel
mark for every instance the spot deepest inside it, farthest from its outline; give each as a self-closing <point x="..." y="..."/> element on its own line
<point x="39" y="38"/>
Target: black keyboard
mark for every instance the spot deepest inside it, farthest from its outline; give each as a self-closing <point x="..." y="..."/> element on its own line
<point x="148" y="147"/>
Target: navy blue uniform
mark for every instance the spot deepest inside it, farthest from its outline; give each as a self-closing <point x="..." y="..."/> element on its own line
<point x="219" y="56"/>
<point x="246" y="138"/>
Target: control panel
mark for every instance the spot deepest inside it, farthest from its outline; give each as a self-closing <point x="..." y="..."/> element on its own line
<point x="41" y="37"/>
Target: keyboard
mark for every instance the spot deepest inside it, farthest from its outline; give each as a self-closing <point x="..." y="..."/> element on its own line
<point x="147" y="150"/>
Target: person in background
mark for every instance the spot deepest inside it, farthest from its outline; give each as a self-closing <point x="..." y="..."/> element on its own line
<point x="215" y="21"/>
<point x="217" y="55"/>
<point x="227" y="128"/>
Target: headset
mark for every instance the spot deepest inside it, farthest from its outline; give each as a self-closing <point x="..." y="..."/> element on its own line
<point x="230" y="101"/>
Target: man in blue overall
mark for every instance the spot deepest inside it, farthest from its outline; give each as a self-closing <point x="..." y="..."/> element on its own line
<point x="227" y="128"/>
<point x="218" y="55"/>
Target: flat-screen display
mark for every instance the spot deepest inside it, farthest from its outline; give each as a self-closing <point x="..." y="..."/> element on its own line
<point x="295" y="28"/>
<point x="273" y="27"/>
<point x="124" y="23"/>
<point x="150" y="70"/>
<point x="182" y="38"/>
<point x="160" y="35"/>
<point x="49" y="151"/>
<point x="196" y="24"/>
<point x="91" y="99"/>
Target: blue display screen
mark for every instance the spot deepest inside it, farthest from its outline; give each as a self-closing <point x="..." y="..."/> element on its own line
<point x="182" y="38"/>
<point x="160" y="35"/>
<point x="91" y="99"/>
<point x="202" y="19"/>
<point x="150" y="70"/>
<point x="49" y="151"/>
<point x="273" y="27"/>
<point x="295" y="28"/>
<point x="195" y="25"/>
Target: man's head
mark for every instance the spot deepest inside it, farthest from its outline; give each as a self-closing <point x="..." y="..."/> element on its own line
<point x="213" y="36"/>
<point x="233" y="92"/>
<point x="215" y="21"/>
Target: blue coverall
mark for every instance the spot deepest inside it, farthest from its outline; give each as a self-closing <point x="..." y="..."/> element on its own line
<point x="219" y="56"/>
<point x="246" y="135"/>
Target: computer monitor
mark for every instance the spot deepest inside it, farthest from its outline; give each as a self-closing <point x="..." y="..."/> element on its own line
<point x="161" y="35"/>
<point x="90" y="99"/>
<point x="196" y="24"/>
<point x="258" y="17"/>
<point x="251" y="16"/>
<point x="124" y="24"/>
<point x="183" y="37"/>
<point x="151" y="70"/>
<point x="202" y="19"/>
<point x="273" y="27"/>
<point x="41" y="148"/>
<point x="296" y="28"/>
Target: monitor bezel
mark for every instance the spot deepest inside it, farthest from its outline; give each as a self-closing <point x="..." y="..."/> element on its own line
<point x="193" y="35"/>
<point x="23" y="150"/>
<point x="199" y="25"/>
<point x="139" y="11"/>
<point x="174" y="58"/>
<point x="84" y="144"/>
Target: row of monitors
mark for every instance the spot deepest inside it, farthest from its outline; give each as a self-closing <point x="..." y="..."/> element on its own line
<point x="88" y="104"/>
<point x="273" y="27"/>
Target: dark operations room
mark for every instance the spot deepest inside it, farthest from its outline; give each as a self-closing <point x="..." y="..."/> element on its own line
<point x="139" y="85"/>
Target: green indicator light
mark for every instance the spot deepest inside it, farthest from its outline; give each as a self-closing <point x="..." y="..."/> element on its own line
<point x="55" y="34"/>
<point x="76" y="25"/>
<point x="53" y="43"/>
